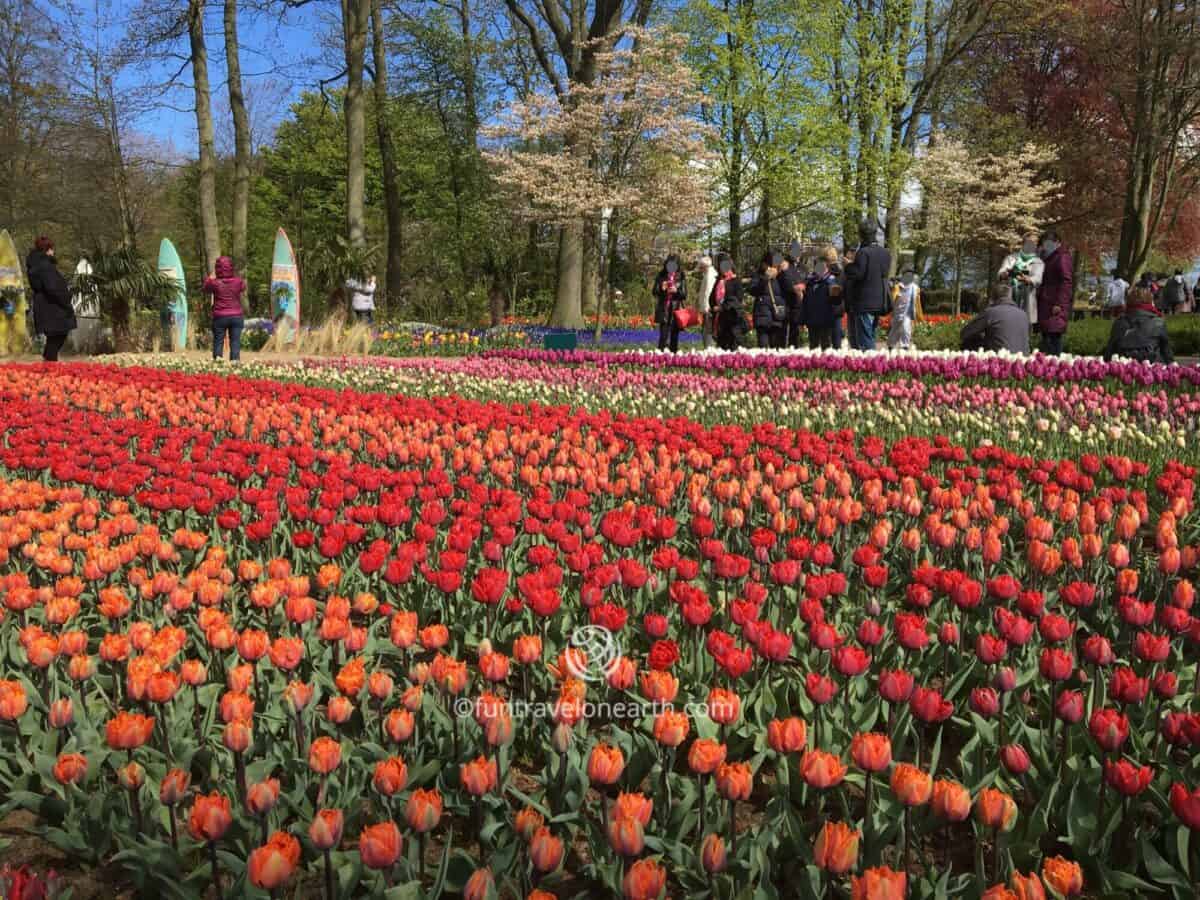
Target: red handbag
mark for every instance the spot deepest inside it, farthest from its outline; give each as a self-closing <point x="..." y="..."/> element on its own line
<point x="686" y="317"/>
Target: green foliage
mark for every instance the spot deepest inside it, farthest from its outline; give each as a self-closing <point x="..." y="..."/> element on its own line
<point x="121" y="276"/>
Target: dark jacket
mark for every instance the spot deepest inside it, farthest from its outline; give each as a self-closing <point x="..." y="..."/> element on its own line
<point x="768" y="295"/>
<point x="867" y="288"/>
<point x="730" y="320"/>
<point x="1172" y="294"/>
<point x="226" y="289"/>
<point x="1002" y="326"/>
<point x="789" y="279"/>
<point x="1056" y="295"/>
<point x="821" y="308"/>
<point x="52" y="309"/>
<point x="1140" y="334"/>
<point x="665" y="307"/>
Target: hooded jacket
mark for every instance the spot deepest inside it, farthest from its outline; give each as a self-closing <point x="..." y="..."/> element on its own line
<point x="666" y="303"/>
<point x="1056" y="294"/>
<point x="1140" y="334"/>
<point x="226" y="289"/>
<point x="52" y="309"/>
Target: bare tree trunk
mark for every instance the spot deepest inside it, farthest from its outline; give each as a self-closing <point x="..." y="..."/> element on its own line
<point x="241" y="134"/>
<point x="204" y="127"/>
<point x="567" y="311"/>
<point x="117" y="159"/>
<point x="393" y="202"/>
<point x="591" y="268"/>
<point x="355" y="14"/>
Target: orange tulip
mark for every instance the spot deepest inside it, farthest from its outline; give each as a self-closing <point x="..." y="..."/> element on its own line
<point x="352" y="677"/>
<point x="705" y="755"/>
<point x="787" y="735"/>
<point x="210" y="817"/>
<point x="173" y="787"/>
<point x="735" y="781"/>
<point x="998" y="892"/>
<point x="13" y="701"/>
<point x="871" y="752"/>
<point x="128" y="731"/>
<point x="879" y="884"/>
<point x="545" y="850"/>
<point x="1027" y="887"/>
<point x="712" y="854"/>
<point x="324" y="755"/>
<point x="262" y="797"/>
<point x="644" y="880"/>
<point x="633" y="806"/>
<point x="379" y="845"/>
<point x="911" y="786"/>
<point x="271" y="865"/>
<point x="951" y="801"/>
<point x="238" y="736"/>
<point x="836" y="849"/>
<point x="424" y="810"/>
<point x="671" y="728"/>
<point x="479" y="885"/>
<point x="822" y="770"/>
<point x="724" y="706"/>
<point x="70" y="768"/>
<point x="325" y="831"/>
<point x="479" y="776"/>
<point x="527" y="822"/>
<point x="391" y="775"/>
<point x="605" y="764"/>
<point x="1063" y="875"/>
<point x="995" y="809"/>
<point x="626" y="836"/>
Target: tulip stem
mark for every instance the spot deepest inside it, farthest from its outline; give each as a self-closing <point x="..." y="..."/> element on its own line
<point x="328" y="876"/>
<point x="240" y="769"/>
<point x="908" y="838"/>
<point x="996" y="856"/>
<point x="136" y="808"/>
<point x="216" y="872"/>
<point x="174" y="826"/>
<point x="867" y="818"/>
<point x="733" y="825"/>
<point x="700" y="782"/>
<point x="421" y="857"/>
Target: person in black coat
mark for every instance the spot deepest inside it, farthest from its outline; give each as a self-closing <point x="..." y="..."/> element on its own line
<point x="670" y="292"/>
<point x="770" y="310"/>
<point x="792" y="283"/>
<point x="867" y="294"/>
<point x="822" y="309"/>
<point x="53" y="314"/>
<point x="725" y="305"/>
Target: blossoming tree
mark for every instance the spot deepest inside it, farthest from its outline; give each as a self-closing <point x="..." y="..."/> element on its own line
<point x="635" y="152"/>
<point x="989" y="199"/>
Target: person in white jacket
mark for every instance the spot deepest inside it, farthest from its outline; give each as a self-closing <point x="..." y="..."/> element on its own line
<point x="362" y="298"/>
<point x="1024" y="270"/>
<point x="708" y="278"/>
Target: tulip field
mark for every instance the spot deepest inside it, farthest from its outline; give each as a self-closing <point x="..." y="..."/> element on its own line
<point x="530" y="625"/>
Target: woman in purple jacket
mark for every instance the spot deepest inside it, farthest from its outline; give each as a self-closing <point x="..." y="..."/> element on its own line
<point x="226" y="288"/>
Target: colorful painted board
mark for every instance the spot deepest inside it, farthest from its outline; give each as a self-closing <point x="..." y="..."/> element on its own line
<point x="14" y="332"/>
<point x="285" y="290"/>
<point x="170" y="265"/>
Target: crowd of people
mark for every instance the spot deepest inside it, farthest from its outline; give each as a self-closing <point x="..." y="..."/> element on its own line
<point x="787" y="303"/>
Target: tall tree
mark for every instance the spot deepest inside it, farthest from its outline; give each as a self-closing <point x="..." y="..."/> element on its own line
<point x="578" y="42"/>
<point x="241" y="133"/>
<point x="210" y="230"/>
<point x="393" y="200"/>
<point x="355" y="23"/>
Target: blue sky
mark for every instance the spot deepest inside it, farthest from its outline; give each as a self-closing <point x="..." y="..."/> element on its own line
<point x="281" y="55"/>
